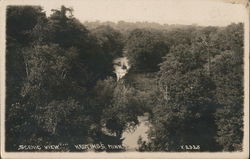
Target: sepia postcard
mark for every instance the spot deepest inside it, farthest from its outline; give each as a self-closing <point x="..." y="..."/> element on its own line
<point x="124" y="79"/>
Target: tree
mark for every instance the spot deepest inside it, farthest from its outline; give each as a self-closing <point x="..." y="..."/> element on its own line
<point x="228" y="71"/>
<point x="229" y="38"/>
<point x="145" y="50"/>
<point x="227" y="68"/>
<point x="63" y="29"/>
<point x="46" y="96"/>
<point x="54" y="98"/>
<point x="108" y="45"/>
<point x="185" y="97"/>
<point x="20" y="22"/>
<point x="180" y="35"/>
<point x="110" y="41"/>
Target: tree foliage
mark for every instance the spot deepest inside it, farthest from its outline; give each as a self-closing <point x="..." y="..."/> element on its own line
<point x="201" y="89"/>
<point x="229" y="117"/>
<point x="145" y="49"/>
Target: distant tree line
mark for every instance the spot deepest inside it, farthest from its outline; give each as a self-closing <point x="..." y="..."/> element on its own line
<point x="61" y="87"/>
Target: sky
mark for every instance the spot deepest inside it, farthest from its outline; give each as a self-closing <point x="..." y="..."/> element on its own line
<point x="200" y="12"/>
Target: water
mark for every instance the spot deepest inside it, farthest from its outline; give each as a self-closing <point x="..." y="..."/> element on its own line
<point x="121" y="68"/>
<point x="131" y="138"/>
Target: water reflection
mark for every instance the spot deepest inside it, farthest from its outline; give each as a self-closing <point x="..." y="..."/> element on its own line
<point x="131" y="138"/>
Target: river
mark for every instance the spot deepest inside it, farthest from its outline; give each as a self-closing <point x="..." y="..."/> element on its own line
<point x="131" y="138"/>
<point x="121" y="67"/>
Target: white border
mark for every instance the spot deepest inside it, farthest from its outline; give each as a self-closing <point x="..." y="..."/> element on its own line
<point x="21" y="155"/>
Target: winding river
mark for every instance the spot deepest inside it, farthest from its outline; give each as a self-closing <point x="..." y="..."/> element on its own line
<point x="121" y="67"/>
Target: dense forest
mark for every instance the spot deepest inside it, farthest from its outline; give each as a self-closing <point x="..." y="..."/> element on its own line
<point x="61" y="87"/>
